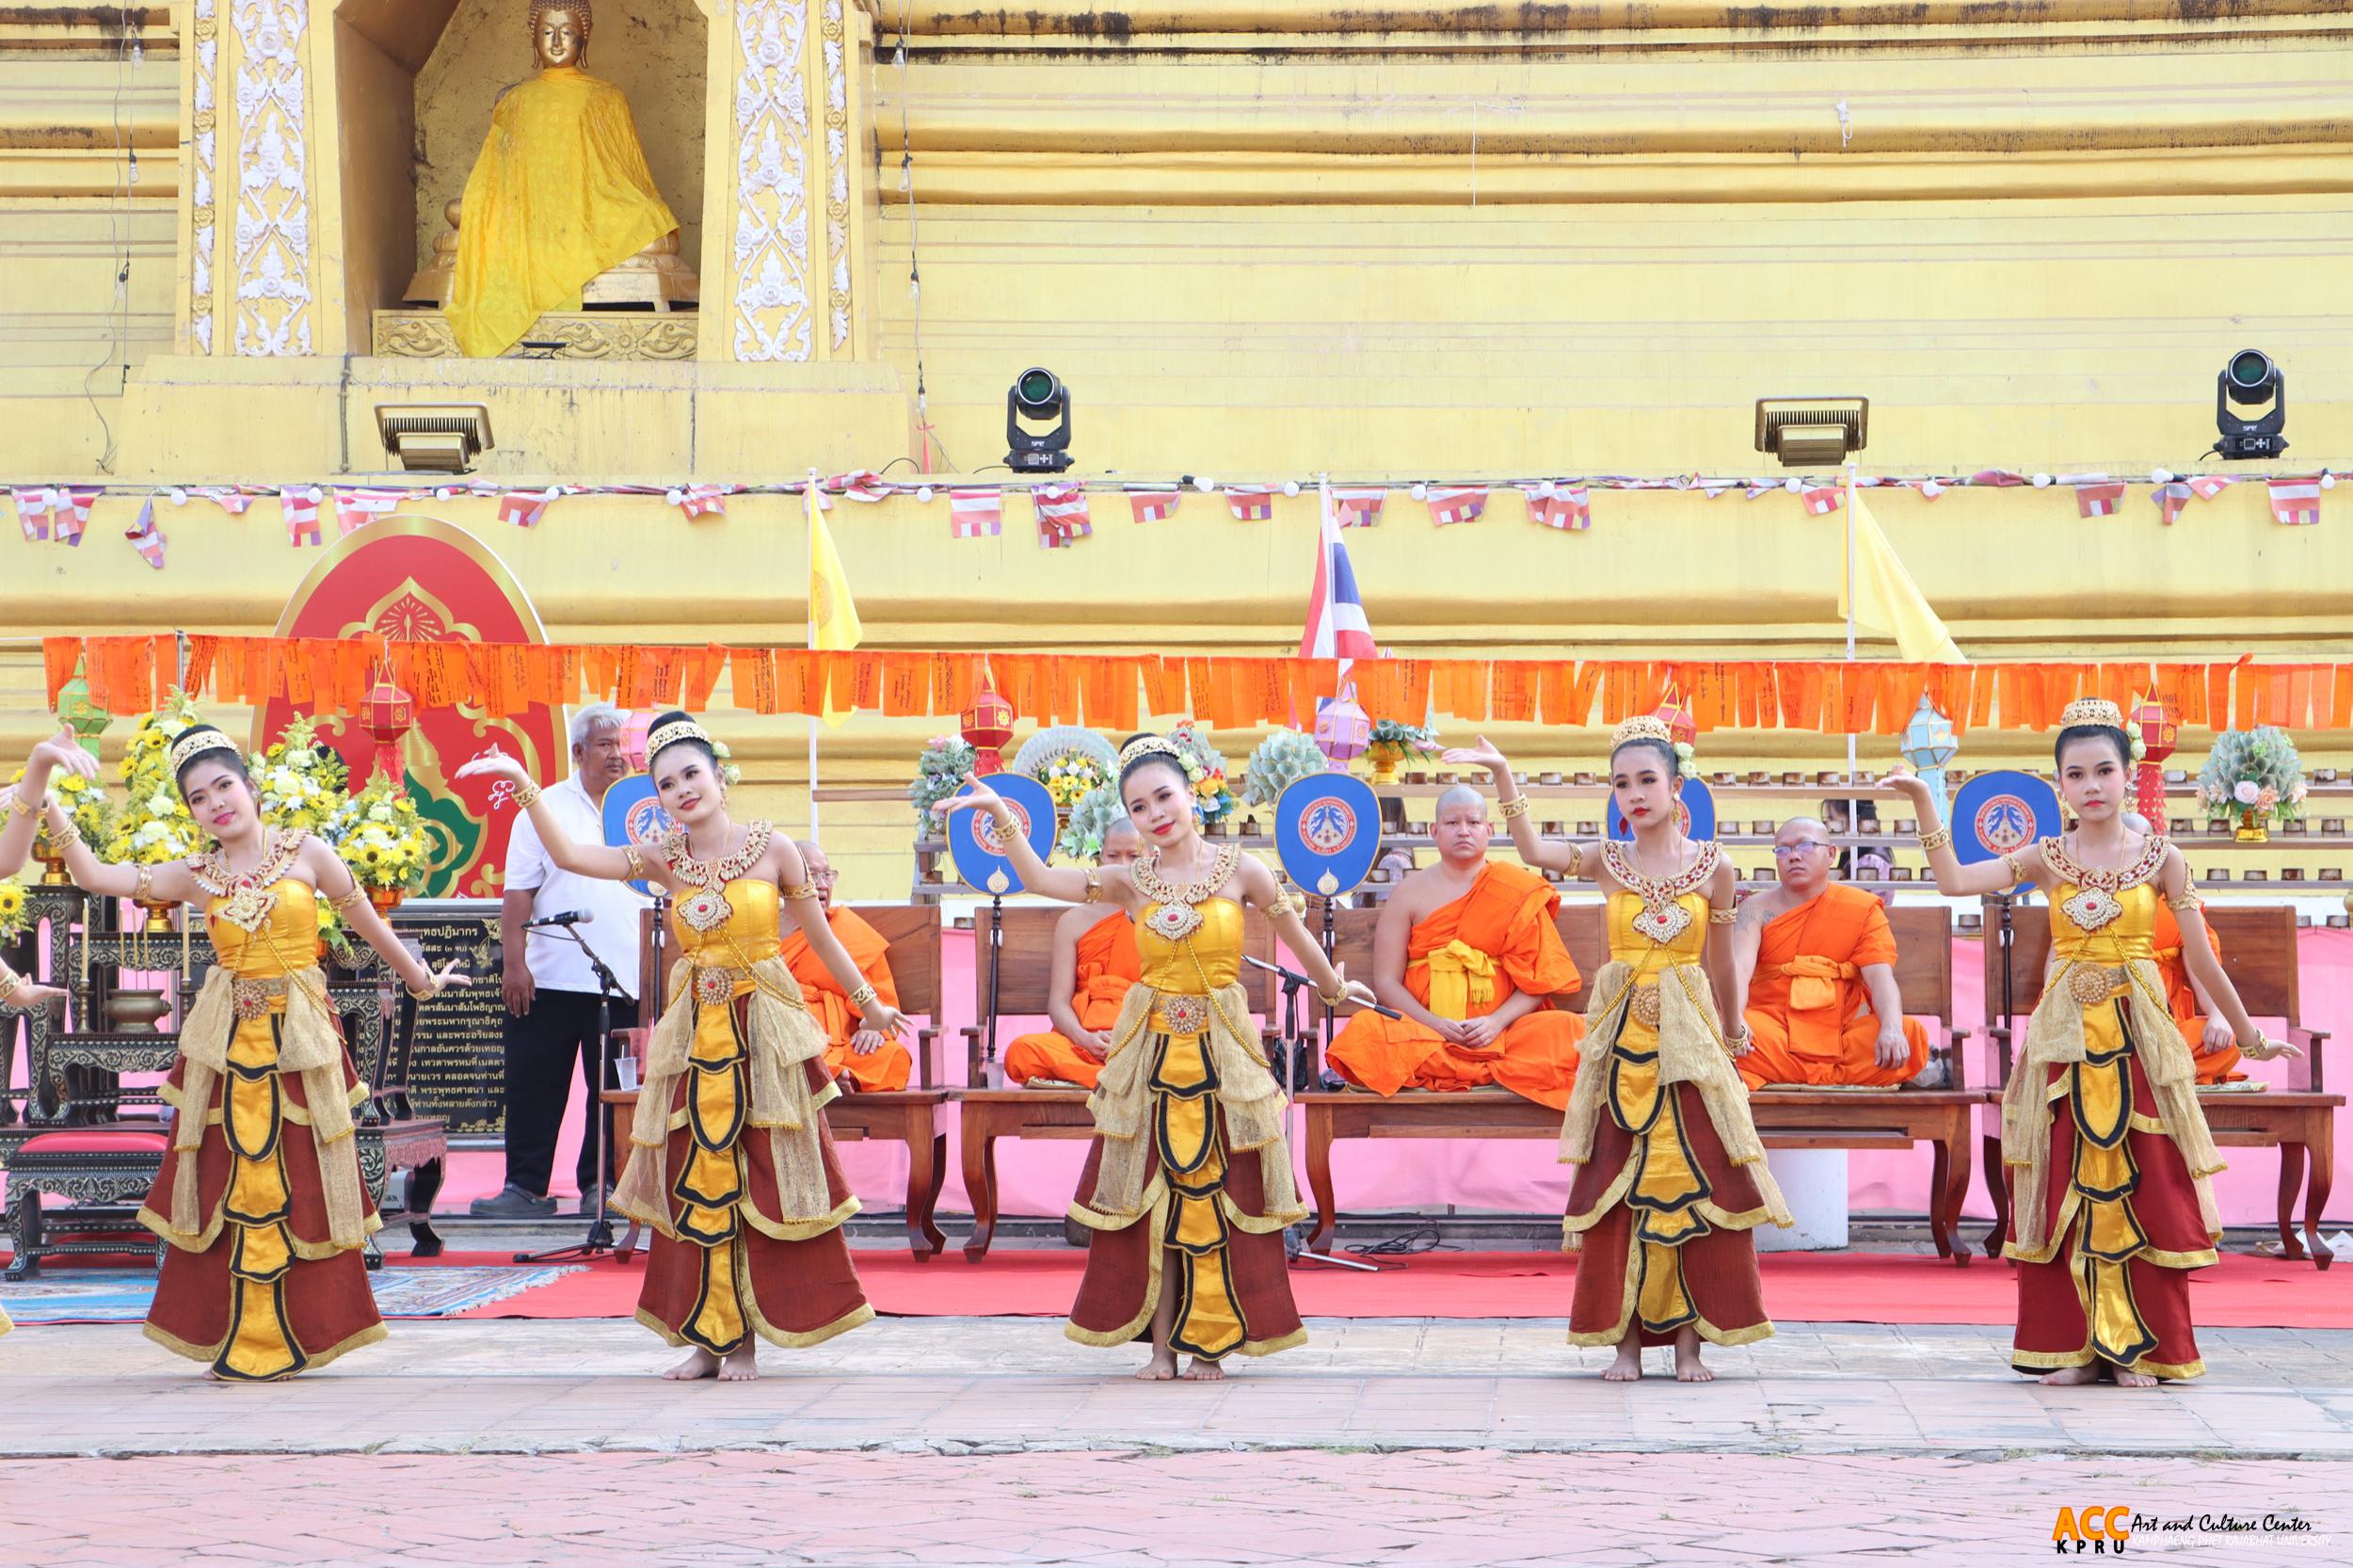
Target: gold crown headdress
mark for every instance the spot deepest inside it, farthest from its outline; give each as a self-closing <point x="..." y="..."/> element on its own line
<point x="1643" y="727"/>
<point x="673" y="732"/>
<point x="2092" y="710"/>
<point x="1148" y="745"/>
<point x="195" y="742"/>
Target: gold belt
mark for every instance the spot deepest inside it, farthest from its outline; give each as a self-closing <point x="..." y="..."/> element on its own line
<point x="714" y="986"/>
<point x="1182" y="1015"/>
<point x="250" y="999"/>
<point x="2094" y="984"/>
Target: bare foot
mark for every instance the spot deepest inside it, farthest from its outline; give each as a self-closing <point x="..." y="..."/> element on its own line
<point x="2134" y="1379"/>
<point x="1629" y="1366"/>
<point x="1205" y="1370"/>
<point x="1687" y="1368"/>
<point x="1162" y="1367"/>
<point x="742" y="1365"/>
<point x="700" y="1363"/>
<point x="2070" y="1377"/>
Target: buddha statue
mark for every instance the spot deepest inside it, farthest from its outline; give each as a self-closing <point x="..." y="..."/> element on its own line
<point x="560" y="204"/>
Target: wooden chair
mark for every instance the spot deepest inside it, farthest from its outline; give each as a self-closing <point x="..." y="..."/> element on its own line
<point x="916" y="1116"/>
<point x="990" y="1109"/>
<point x="1786" y="1118"/>
<point x="2259" y="955"/>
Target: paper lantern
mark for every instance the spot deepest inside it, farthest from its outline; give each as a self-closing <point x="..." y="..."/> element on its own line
<point x="2155" y="726"/>
<point x="635" y="732"/>
<point x="987" y="726"/>
<point x="1343" y="730"/>
<point x="1676" y="714"/>
<point x="1929" y="744"/>
<point x="388" y="713"/>
<point x="80" y="713"/>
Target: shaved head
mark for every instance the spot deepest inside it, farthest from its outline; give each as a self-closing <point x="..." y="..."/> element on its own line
<point x="1460" y="795"/>
<point x="1122" y="845"/>
<point x="1804" y="856"/>
<point x="820" y="873"/>
<point x="1461" y="828"/>
<point x="1806" y="827"/>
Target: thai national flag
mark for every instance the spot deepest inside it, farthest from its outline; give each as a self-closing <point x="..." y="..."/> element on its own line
<point x="1337" y="627"/>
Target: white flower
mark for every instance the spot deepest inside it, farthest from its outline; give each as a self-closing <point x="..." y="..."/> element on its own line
<point x="2245" y="791"/>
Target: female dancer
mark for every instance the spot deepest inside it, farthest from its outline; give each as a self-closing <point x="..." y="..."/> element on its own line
<point x="1188" y="1238"/>
<point x="261" y="1198"/>
<point x="731" y="1165"/>
<point x="2105" y="1098"/>
<point x="1670" y="1177"/>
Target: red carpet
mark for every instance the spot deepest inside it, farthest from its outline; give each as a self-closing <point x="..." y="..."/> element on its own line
<point x="1865" y="1287"/>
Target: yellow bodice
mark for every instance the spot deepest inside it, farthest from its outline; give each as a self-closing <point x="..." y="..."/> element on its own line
<point x="1209" y="960"/>
<point x="286" y="941"/>
<point x="749" y="935"/>
<point x="2129" y="937"/>
<point x="1630" y="946"/>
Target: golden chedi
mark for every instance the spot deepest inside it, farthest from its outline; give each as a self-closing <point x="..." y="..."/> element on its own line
<point x="560" y="201"/>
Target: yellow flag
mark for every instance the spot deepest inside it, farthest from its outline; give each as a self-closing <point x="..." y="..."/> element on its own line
<point x="833" y="623"/>
<point x="1888" y="602"/>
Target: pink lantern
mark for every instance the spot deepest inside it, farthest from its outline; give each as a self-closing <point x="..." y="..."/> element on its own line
<point x="634" y="733"/>
<point x="1343" y="729"/>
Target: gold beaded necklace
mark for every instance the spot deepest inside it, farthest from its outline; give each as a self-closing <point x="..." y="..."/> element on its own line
<point x="1663" y="919"/>
<point x="707" y="907"/>
<point x="1174" y="917"/>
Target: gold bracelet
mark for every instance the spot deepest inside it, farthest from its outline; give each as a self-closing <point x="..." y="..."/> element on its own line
<point x="1333" y="1001"/>
<point x="143" y="892"/>
<point x="1735" y="1037"/>
<point x="16" y="804"/>
<point x="526" y="793"/>
<point x="427" y="994"/>
<point x="10" y="982"/>
<point x="1722" y="917"/>
<point x="1516" y="806"/>
<point x="1936" y="838"/>
<point x="864" y="994"/>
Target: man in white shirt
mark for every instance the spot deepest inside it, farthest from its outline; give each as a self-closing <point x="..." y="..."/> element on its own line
<point x="551" y="992"/>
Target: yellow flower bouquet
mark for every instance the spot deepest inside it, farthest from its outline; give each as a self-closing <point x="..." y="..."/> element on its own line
<point x="381" y="837"/>
<point x="154" y="828"/>
<point x="15" y="915"/>
<point x="299" y="782"/>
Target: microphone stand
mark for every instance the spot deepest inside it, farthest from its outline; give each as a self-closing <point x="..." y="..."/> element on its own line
<point x="1294" y="1046"/>
<point x="991" y="1073"/>
<point x="600" y="1236"/>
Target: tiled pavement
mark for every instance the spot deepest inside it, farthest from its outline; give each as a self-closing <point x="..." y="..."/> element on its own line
<point x="994" y="1441"/>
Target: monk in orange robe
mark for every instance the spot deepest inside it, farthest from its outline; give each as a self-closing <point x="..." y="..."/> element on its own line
<point x="1813" y="969"/>
<point x="2213" y="1052"/>
<point x="862" y="1061"/>
<point x="1094" y="963"/>
<point x="1468" y="950"/>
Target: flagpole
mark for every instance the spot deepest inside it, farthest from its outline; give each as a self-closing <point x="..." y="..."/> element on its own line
<point x="1854" y="805"/>
<point x="808" y="594"/>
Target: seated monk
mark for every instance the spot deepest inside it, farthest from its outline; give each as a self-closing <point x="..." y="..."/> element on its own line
<point x="2213" y="1050"/>
<point x="1813" y="969"/>
<point x="1094" y="963"/>
<point x="1466" y="950"/>
<point x="862" y="1061"/>
<point x="559" y="193"/>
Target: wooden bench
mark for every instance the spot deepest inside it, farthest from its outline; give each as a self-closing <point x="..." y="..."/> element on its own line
<point x="2259" y="954"/>
<point x="990" y="1109"/>
<point x="1786" y="1118"/>
<point x="916" y="1116"/>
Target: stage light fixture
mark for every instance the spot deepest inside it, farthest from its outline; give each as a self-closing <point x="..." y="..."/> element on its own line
<point x="1037" y="397"/>
<point x="433" y="438"/>
<point x="1813" y="432"/>
<point x="2249" y="380"/>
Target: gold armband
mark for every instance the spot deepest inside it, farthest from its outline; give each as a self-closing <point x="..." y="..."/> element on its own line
<point x="1286" y="904"/>
<point x="143" y="891"/>
<point x="635" y="861"/>
<point x="1577" y="859"/>
<point x="864" y="994"/>
<point x="2017" y="871"/>
<point x="350" y="901"/>
<point x="1516" y="806"/>
<point x="1936" y="838"/>
<point x="807" y="890"/>
<point x="2189" y="898"/>
<point x="526" y="793"/>
<point x="1095" y="886"/>
<point x="1722" y="917"/>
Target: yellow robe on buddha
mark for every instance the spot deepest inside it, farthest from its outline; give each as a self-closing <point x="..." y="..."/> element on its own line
<point x="559" y="193"/>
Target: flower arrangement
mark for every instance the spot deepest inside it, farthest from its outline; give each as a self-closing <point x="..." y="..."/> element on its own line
<point x="938" y="773"/>
<point x="298" y="782"/>
<point x="14" y="916"/>
<point x="154" y="828"/>
<point x="2255" y="775"/>
<point x="335" y="936"/>
<point x="380" y="836"/>
<point x="1391" y="743"/>
<point x="1282" y="759"/>
<point x="1205" y="768"/>
<point x="84" y="801"/>
<point x="1090" y="819"/>
<point x="1069" y="760"/>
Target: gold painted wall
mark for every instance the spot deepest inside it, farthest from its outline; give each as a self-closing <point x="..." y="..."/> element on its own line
<point x="652" y="50"/>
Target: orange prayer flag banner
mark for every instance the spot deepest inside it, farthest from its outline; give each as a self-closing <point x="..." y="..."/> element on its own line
<point x="907" y="684"/>
<point x="601" y="665"/>
<point x="800" y="681"/>
<point x="2341" y="698"/>
<point x="2219" y="679"/>
<point x="1377" y="688"/>
<point x="1312" y="681"/>
<point x="1461" y="686"/>
<point x="1272" y="691"/>
<point x="2182" y="688"/>
<point x="301" y="659"/>
<point x="59" y="658"/>
<point x="1060" y="674"/>
<point x="864" y="686"/>
<point x="703" y="667"/>
<point x="1164" y="684"/>
<point x="1218" y="701"/>
<point x="1017" y="681"/>
<point x="1858" y="695"/>
<point x="754" y="672"/>
<point x="1515" y="690"/>
<point x="955" y="679"/>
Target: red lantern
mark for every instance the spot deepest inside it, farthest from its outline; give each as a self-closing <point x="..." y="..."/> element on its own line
<point x="987" y="726"/>
<point x="1676" y="714"/>
<point x="388" y="713"/>
<point x="2158" y="732"/>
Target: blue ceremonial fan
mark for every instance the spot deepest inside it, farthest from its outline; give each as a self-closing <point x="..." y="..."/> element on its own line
<point x="1327" y="831"/>
<point x="1696" y="807"/>
<point x="2000" y="814"/>
<point x="972" y="835"/>
<point x="633" y="815"/>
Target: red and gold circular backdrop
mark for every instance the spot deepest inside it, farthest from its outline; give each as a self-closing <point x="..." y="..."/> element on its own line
<point x="417" y="578"/>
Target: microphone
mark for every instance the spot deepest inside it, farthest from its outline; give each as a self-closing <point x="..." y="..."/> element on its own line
<point x="570" y="917"/>
<point x="1297" y="978"/>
